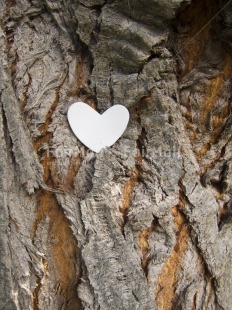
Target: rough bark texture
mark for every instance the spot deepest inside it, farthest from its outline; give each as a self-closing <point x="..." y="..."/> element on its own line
<point x="145" y="224"/>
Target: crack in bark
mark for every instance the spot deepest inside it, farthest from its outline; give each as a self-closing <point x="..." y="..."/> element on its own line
<point x="36" y="294"/>
<point x="127" y="195"/>
<point x="63" y="257"/>
<point x="169" y="274"/>
<point x="209" y="278"/>
<point x="209" y="124"/>
<point x="26" y="87"/>
<point x="144" y="245"/>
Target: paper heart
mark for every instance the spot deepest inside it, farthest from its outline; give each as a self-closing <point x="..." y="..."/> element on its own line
<point x="94" y="130"/>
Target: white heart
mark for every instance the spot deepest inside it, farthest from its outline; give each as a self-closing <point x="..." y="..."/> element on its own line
<point x="94" y="130"/>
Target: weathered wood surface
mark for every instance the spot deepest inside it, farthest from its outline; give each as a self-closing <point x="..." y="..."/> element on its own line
<point x="145" y="224"/>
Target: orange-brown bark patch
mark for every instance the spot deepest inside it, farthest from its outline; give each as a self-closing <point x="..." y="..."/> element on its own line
<point x="44" y="127"/>
<point x="216" y="88"/>
<point x="169" y="274"/>
<point x="63" y="249"/>
<point x="79" y="83"/>
<point x="144" y="247"/>
<point x="62" y="259"/>
<point x="74" y="166"/>
<point x="128" y="189"/>
<point x="36" y="294"/>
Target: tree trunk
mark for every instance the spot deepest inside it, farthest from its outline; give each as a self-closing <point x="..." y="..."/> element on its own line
<point x="145" y="224"/>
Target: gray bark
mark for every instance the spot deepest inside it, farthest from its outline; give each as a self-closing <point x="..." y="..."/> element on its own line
<point x="145" y="224"/>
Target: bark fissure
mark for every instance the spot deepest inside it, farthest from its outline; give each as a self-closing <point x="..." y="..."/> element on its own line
<point x="166" y="291"/>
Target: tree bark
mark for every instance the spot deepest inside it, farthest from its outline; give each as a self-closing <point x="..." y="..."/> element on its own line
<point x="145" y="224"/>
